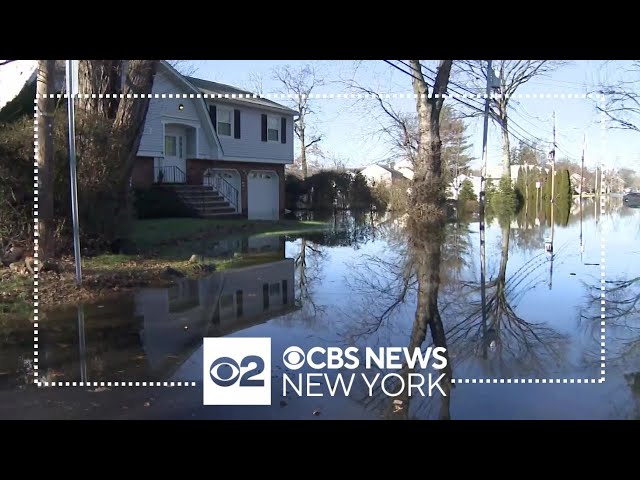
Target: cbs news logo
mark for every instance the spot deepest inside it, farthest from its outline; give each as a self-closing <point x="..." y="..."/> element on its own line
<point x="237" y="371"/>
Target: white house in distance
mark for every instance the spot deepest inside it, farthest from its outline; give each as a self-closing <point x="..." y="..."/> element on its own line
<point x="456" y="185"/>
<point x="235" y="145"/>
<point x="379" y="173"/>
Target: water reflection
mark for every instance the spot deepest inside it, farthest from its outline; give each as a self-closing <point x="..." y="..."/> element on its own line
<point x="379" y="280"/>
<point x="149" y="335"/>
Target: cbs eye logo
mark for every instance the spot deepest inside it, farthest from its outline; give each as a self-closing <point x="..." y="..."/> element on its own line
<point x="293" y="358"/>
<point x="225" y="371"/>
<point x="236" y="371"/>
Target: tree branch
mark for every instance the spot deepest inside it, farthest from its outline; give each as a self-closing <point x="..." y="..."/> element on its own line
<point x="315" y="140"/>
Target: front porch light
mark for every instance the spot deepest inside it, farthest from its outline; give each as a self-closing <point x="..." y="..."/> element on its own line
<point x="181" y="107"/>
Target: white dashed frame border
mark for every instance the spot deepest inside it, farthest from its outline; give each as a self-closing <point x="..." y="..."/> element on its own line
<point x="279" y="96"/>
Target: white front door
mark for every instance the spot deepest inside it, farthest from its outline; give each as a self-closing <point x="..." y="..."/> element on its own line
<point x="174" y="164"/>
<point x="263" y="195"/>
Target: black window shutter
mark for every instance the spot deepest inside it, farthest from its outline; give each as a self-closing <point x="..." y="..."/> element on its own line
<point x="283" y="135"/>
<point x="264" y="127"/>
<point x="214" y="117"/>
<point x="236" y="123"/>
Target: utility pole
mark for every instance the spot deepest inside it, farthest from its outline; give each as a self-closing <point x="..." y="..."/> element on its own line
<point x="584" y="144"/>
<point x="553" y="161"/>
<point x="483" y="175"/>
<point x="72" y="171"/>
<point x="553" y="178"/>
<point x="483" y="168"/>
<point x="548" y="246"/>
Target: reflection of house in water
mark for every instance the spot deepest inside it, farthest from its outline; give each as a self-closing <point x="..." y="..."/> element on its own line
<point x="176" y="319"/>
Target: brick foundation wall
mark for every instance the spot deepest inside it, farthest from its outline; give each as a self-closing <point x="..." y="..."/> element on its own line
<point x="142" y="175"/>
<point x="197" y="167"/>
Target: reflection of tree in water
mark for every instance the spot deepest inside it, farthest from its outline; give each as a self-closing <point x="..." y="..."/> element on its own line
<point x="308" y="272"/>
<point x="348" y="229"/>
<point x="455" y="252"/>
<point x="633" y="381"/>
<point x="622" y="322"/>
<point x="385" y="285"/>
<point x="496" y="333"/>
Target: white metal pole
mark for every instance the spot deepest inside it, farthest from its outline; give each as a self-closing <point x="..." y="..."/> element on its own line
<point x="72" y="171"/>
<point x="483" y="174"/>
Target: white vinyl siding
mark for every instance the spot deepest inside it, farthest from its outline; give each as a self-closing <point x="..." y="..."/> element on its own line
<point x="250" y="147"/>
<point x="167" y="110"/>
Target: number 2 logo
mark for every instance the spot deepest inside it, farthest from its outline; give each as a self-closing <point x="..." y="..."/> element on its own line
<point x="225" y="371"/>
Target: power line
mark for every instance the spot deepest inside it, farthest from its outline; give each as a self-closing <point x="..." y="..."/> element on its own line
<point x="519" y="137"/>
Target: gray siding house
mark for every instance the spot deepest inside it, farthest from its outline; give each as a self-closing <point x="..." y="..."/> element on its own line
<point x="237" y="147"/>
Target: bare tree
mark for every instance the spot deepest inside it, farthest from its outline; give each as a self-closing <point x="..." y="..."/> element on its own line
<point x="300" y="83"/>
<point x="125" y="115"/>
<point x="511" y="74"/>
<point x="256" y="83"/>
<point x="427" y="194"/>
<point x="184" y="67"/>
<point x="623" y="100"/>
<point x="45" y="86"/>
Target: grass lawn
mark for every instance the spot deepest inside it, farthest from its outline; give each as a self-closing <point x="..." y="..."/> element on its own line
<point x="151" y="233"/>
<point x="174" y="240"/>
<point x="16" y="295"/>
<point x="160" y="243"/>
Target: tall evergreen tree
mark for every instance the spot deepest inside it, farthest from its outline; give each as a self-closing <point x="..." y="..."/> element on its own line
<point x="455" y="144"/>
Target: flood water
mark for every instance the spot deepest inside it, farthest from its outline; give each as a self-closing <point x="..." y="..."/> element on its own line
<point x="359" y="284"/>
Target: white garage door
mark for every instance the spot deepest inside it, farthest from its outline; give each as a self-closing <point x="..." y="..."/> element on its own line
<point x="263" y="195"/>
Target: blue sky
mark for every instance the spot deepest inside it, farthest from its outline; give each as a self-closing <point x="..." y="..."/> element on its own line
<point x="351" y="127"/>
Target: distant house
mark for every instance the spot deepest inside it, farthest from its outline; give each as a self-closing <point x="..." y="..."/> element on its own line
<point x="577" y="182"/>
<point x="378" y="174"/>
<point x="453" y="190"/>
<point x="614" y="184"/>
<point x="405" y="167"/>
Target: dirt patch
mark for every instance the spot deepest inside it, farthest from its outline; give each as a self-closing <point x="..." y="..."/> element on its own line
<point x="59" y="288"/>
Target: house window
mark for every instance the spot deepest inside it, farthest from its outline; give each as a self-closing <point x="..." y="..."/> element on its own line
<point x="225" y="118"/>
<point x="170" y="147"/>
<point x="273" y="129"/>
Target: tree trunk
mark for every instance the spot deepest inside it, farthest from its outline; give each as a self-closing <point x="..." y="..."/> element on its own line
<point x="425" y="241"/>
<point x="506" y="152"/>
<point x="501" y="281"/>
<point x="303" y="152"/>
<point x="127" y="115"/>
<point x="46" y="109"/>
<point x="427" y="189"/>
<point x="131" y="113"/>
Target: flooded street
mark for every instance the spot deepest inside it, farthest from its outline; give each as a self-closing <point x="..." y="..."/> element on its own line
<point x="362" y="283"/>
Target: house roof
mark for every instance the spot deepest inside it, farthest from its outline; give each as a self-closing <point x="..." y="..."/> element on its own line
<point x="209" y="87"/>
<point x="389" y="169"/>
